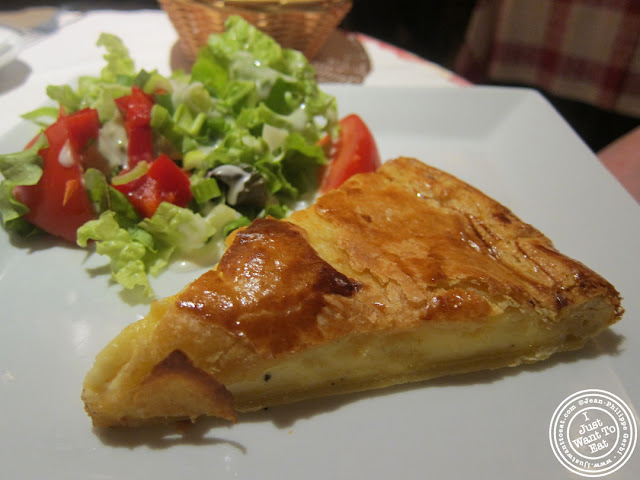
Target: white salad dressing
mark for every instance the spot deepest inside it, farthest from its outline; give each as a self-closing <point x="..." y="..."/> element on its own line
<point x="240" y="179"/>
<point x="113" y="142"/>
<point x="65" y="157"/>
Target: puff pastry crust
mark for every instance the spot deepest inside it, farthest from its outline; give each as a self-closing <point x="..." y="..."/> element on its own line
<point x="401" y="275"/>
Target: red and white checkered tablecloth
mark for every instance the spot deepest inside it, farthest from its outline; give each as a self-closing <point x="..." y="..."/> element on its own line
<point x="586" y="50"/>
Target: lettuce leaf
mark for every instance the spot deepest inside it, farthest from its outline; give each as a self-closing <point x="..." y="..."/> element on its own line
<point x="119" y="64"/>
<point x="178" y="228"/>
<point x="130" y="259"/>
<point x="21" y="168"/>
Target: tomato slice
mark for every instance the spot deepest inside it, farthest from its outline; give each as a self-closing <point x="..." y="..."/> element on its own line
<point x="59" y="203"/>
<point x="136" y="111"/>
<point x="83" y="128"/>
<point x="163" y="182"/>
<point x="354" y="152"/>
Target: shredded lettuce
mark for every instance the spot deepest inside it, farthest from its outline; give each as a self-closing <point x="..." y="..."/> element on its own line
<point x="131" y="258"/>
<point x="21" y="168"/>
<point x="247" y="103"/>
<point x="178" y="228"/>
<point x="119" y="63"/>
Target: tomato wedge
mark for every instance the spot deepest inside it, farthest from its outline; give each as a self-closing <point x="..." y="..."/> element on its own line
<point x="355" y="151"/>
<point x="163" y="182"/>
<point x="136" y="111"/>
<point x="59" y="203"/>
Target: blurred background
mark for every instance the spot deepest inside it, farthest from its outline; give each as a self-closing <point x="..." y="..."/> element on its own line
<point x="436" y="31"/>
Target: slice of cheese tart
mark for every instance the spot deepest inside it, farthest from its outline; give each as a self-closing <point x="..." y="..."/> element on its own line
<point x="398" y="276"/>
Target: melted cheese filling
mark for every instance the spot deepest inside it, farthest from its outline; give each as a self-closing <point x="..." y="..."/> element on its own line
<point x="432" y="350"/>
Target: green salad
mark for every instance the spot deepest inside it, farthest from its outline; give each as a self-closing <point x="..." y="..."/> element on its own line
<point x="150" y="168"/>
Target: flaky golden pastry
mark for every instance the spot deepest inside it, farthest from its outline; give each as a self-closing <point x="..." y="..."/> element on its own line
<point x="401" y="275"/>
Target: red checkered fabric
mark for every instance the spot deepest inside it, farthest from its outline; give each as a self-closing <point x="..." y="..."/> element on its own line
<point x="586" y="50"/>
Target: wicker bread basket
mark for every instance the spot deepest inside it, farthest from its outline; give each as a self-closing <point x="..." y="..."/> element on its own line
<point x="304" y="25"/>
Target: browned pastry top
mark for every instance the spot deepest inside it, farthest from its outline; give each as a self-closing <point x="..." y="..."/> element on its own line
<point x="407" y="245"/>
<point x="268" y="287"/>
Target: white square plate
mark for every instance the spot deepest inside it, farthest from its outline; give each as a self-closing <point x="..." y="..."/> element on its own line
<point x="58" y="309"/>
